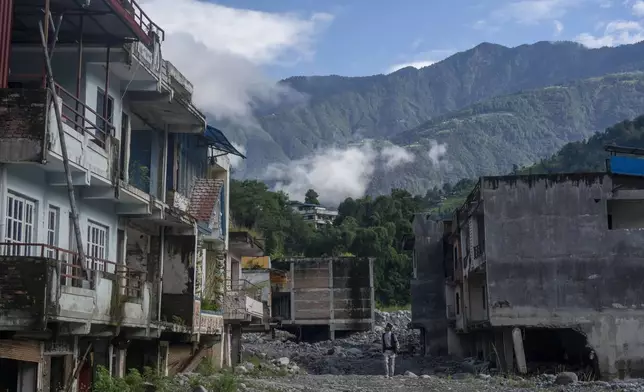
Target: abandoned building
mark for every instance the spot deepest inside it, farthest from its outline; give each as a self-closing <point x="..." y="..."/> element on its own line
<point x="243" y="305"/>
<point x="130" y="280"/>
<point x="538" y="269"/>
<point x="319" y="298"/>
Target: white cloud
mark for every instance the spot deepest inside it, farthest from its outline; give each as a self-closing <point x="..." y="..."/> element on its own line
<point x="221" y="49"/>
<point x="532" y="11"/>
<point x="335" y="174"/>
<point x="437" y="152"/>
<point x="558" y="27"/>
<point x="638" y="8"/>
<point x="618" y="32"/>
<point x="415" y="64"/>
<point x="395" y="156"/>
<point x="338" y="173"/>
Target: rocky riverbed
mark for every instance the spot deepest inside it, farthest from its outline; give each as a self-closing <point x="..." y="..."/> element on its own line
<point x="355" y="363"/>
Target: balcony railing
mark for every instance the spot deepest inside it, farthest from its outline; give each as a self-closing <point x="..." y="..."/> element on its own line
<point x="142" y="19"/>
<point x="73" y="111"/>
<point x="243" y="287"/>
<point x="73" y="114"/>
<point x="129" y="279"/>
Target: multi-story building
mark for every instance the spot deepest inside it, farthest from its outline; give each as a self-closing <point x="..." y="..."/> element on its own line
<point x="539" y="269"/>
<point x="149" y="182"/>
<point x="315" y="214"/>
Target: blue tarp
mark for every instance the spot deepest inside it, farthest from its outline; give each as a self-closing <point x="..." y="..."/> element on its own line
<point x="627" y="166"/>
<point x="218" y="140"/>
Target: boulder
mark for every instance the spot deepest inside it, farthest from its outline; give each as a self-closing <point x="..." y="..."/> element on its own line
<point x="566" y="378"/>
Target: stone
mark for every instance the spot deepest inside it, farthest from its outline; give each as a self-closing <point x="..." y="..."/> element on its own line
<point x="460" y="376"/>
<point x="484" y="376"/>
<point x="284" y="361"/>
<point x="249" y="366"/>
<point x="566" y="378"/>
<point x="354" y="351"/>
<point x="410" y="374"/>
<point x="199" y="388"/>
<point x="240" y="369"/>
<point x="426" y="376"/>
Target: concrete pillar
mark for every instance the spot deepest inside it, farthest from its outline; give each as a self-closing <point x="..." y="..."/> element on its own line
<point x="44" y="374"/>
<point x="235" y="344"/>
<point x="164" y="350"/>
<point x="121" y="354"/>
<point x="226" y="353"/>
<point x="519" y="353"/>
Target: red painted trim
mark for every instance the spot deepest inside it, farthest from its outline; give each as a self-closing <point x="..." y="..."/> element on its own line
<point x="137" y="29"/>
<point x="6" y="21"/>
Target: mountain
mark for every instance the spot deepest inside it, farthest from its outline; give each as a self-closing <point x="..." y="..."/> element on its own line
<point x="589" y="155"/>
<point x="341" y="110"/>
<point x="492" y="136"/>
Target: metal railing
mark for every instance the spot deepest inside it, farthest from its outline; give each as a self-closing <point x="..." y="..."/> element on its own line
<point x="243" y="287"/>
<point x="73" y="113"/>
<point x="142" y="19"/>
<point x="129" y="279"/>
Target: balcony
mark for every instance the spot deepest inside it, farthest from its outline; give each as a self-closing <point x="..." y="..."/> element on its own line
<point x="138" y="20"/>
<point x="32" y="135"/>
<point x="242" y="302"/>
<point x="39" y="283"/>
<point x="177" y="81"/>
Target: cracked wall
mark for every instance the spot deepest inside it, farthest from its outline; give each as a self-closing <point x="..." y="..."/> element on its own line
<point x="553" y="262"/>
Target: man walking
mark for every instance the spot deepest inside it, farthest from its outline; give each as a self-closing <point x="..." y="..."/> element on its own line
<point x="389" y="350"/>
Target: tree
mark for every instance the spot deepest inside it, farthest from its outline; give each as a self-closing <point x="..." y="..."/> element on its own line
<point x="311" y="197"/>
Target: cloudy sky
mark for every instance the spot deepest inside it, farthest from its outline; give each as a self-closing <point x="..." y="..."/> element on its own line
<point x="361" y="37"/>
<point x="234" y="50"/>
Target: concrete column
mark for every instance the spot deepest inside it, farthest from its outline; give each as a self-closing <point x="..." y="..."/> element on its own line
<point x="226" y="354"/>
<point x="235" y="346"/>
<point x="163" y="358"/>
<point x="519" y="353"/>
<point x="44" y="374"/>
<point x="331" y="303"/>
<point x="217" y="353"/>
<point x="121" y="354"/>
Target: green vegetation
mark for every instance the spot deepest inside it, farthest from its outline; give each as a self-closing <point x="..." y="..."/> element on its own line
<point x="365" y="227"/>
<point x="589" y="155"/>
<point x="134" y="381"/>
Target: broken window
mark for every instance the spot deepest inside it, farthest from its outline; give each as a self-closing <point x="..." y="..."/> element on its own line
<point x="624" y="214"/>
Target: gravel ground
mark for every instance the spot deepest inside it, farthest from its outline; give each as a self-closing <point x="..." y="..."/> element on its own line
<point x="355" y="364"/>
<point x="407" y="384"/>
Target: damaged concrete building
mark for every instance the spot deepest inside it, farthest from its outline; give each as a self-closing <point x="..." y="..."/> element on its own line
<point x="538" y="269"/>
<point x="150" y="183"/>
<point x="320" y="298"/>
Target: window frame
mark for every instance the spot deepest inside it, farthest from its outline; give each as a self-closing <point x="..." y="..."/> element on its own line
<point x="53" y="229"/>
<point x="97" y="251"/>
<point x="27" y="229"/>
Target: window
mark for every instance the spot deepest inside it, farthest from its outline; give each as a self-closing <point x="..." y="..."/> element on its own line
<point x="19" y="223"/>
<point x="103" y="112"/>
<point x="458" y="304"/>
<point x="96" y="245"/>
<point x="52" y="229"/>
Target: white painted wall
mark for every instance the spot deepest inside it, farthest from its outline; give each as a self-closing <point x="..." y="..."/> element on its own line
<point x="30" y="182"/>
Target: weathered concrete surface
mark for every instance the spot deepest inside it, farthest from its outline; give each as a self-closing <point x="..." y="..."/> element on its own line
<point x="553" y="262"/>
<point x="335" y="292"/>
<point x="428" y="287"/>
<point x="24" y="282"/>
<point x="22" y="121"/>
